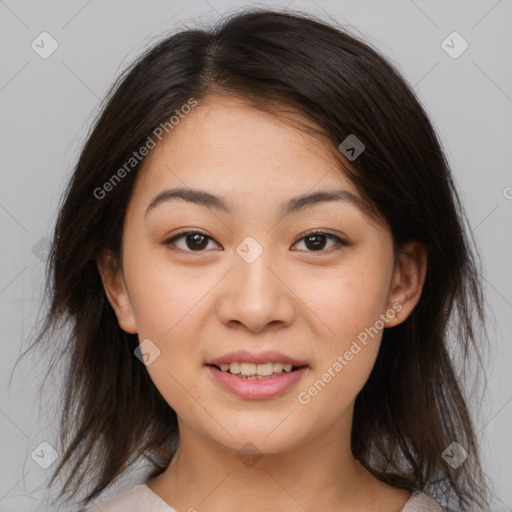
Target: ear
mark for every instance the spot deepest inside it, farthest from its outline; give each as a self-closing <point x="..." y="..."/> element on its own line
<point x="117" y="293"/>
<point x="407" y="281"/>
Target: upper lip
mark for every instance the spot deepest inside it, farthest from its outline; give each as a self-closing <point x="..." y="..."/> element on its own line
<point x="243" y="356"/>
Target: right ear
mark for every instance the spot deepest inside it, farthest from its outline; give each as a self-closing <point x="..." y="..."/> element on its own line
<point x="116" y="290"/>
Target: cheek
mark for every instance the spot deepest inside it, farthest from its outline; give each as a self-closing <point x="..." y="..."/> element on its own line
<point x="170" y="312"/>
<point x="346" y="354"/>
<point x="345" y="301"/>
<point x="171" y="308"/>
<point x="168" y="299"/>
<point x="347" y="306"/>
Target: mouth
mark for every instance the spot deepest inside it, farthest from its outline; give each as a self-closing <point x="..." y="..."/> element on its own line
<point x="256" y="381"/>
<point x="260" y="371"/>
<point x="256" y="376"/>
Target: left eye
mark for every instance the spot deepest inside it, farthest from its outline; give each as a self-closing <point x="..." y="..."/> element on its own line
<point x="196" y="241"/>
<point x="317" y="239"/>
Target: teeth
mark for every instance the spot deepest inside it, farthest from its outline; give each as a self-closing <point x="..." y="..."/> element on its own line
<point x="247" y="369"/>
<point x="264" y="369"/>
<point x="260" y="370"/>
<point x="234" y="368"/>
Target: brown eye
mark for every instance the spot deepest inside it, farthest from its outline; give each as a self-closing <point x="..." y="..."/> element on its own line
<point x="195" y="241"/>
<point x="316" y="241"/>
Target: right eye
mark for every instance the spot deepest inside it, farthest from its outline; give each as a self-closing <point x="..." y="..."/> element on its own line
<point x="195" y="241"/>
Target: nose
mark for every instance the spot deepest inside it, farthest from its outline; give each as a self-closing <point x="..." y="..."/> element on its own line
<point x="257" y="296"/>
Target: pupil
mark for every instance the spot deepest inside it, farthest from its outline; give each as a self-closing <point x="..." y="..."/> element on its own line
<point x="316" y="245"/>
<point x="197" y="238"/>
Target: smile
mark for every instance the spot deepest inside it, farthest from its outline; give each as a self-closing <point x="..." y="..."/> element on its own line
<point x="256" y="371"/>
<point x="256" y="381"/>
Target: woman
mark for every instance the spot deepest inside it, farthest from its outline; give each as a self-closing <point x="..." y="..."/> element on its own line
<point x="260" y="251"/>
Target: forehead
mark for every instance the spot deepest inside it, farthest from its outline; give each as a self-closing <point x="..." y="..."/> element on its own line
<point x="233" y="149"/>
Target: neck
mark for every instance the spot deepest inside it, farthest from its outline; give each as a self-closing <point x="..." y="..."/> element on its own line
<point x="320" y="474"/>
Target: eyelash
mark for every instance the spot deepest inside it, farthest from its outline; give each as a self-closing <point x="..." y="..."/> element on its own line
<point x="340" y="241"/>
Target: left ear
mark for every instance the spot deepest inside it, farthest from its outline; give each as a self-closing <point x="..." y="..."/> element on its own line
<point x="407" y="281"/>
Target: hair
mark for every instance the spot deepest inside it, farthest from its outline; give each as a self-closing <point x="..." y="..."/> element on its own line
<point x="412" y="406"/>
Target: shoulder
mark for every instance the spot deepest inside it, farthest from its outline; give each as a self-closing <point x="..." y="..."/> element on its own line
<point x="421" y="502"/>
<point x="140" y="497"/>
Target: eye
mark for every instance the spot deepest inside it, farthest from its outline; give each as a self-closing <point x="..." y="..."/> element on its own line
<point x="316" y="240"/>
<point x="195" y="241"/>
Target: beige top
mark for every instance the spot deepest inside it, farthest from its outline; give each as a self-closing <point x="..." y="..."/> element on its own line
<point x="142" y="499"/>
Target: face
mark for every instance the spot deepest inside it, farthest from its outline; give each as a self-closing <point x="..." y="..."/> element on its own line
<point x="253" y="277"/>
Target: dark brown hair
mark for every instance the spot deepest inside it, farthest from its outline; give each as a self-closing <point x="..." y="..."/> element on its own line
<point x="412" y="407"/>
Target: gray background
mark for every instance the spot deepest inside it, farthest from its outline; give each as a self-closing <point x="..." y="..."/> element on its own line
<point x="48" y="104"/>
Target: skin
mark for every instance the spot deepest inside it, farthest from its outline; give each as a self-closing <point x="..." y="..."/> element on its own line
<point x="306" y="302"/>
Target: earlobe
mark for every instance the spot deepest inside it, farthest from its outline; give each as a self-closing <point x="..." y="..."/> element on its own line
<point x="408" y="280"/>
<point x="116" y="291"/>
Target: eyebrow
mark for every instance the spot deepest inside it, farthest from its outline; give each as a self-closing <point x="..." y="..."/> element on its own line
<point x="295" y="204"/>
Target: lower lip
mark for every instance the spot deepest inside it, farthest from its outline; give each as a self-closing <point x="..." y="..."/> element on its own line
<point x="257" y="389"/>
